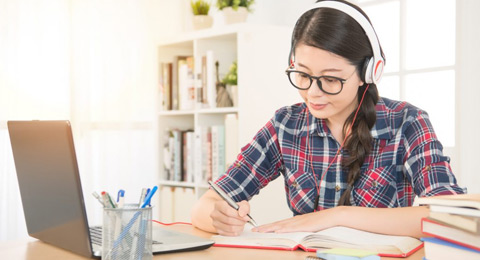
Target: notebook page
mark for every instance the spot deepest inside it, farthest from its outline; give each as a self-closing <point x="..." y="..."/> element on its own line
<point x="349" y="236"/>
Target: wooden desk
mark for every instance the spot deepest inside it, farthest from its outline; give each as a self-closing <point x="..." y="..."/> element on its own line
<point x="32" y="249"/>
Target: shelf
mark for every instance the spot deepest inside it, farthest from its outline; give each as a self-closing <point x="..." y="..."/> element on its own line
<point x="222" y="110"/>
<point x="176" y="112"/>
<point x="182" y="184"/>
<point x="217" y="33"/>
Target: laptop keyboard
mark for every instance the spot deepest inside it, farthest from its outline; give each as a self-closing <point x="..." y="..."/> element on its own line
<point x="96" y="236"/>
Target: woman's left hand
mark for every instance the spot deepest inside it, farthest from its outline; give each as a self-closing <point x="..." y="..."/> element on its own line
<point x="310" y="222"/>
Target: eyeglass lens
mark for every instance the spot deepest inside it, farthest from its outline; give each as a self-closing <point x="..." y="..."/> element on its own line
<point x="303" y="81"/>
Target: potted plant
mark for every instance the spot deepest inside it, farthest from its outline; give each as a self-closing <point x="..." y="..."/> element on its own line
<point x="201" y="19"/>
<point x="235" y="11"/>
<point x="230" y="80"/>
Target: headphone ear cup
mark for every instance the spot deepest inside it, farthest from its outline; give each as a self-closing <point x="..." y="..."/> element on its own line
<point x="368" y="70"/>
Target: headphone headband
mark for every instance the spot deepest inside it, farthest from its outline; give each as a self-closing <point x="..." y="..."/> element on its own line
<point x="375" y="65"/>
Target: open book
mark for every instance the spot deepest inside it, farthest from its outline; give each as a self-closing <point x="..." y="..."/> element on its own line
<point x="385" y="245"/>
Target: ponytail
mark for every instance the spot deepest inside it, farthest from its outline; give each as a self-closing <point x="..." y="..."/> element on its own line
<point x="359" y="143"/>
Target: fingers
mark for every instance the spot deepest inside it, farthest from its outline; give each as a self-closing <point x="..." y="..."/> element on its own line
<point x="244" y="209"/>
<point x="227" y="221"/>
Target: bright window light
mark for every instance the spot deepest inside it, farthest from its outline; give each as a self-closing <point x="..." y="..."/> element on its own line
<point x="434" y="92"/>
<point x="430" y="28"/>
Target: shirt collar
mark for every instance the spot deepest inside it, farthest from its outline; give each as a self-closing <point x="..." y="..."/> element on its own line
<point x="312" y="125"/>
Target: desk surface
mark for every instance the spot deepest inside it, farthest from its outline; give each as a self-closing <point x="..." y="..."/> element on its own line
<point x="32" y="249"/>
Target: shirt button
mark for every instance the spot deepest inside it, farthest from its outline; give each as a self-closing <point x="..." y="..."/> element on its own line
<point x="237" y="165"/>
<point x="337" y="188"/>
<point x="295" y="184"/>
<point x="427" y="168"/>
<point x="375" y="183"/>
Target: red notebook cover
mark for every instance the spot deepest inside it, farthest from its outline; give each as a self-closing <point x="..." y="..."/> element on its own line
<point x="311" y="249"/>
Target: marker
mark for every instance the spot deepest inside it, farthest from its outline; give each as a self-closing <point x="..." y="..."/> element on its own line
<point x="230" y="202"/>
<point x="149" y="197"/>
<point x="107" y="200"/>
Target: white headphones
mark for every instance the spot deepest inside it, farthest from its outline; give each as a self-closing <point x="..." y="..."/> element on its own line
<point x="374" y="66"/>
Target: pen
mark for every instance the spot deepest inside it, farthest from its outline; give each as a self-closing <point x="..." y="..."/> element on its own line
<point x="229" y="201"/>
<point x="120" y="198"/>
<point x="146" y="194"/>
<point x="149" y="197"/>
<point x="142" y="196"/>
<point x="95" y="194"/>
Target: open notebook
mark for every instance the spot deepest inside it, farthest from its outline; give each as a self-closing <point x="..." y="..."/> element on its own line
<point x="385" y="245"/>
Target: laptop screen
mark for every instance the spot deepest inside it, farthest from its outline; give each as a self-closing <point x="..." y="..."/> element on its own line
<point x="49" y="183"/>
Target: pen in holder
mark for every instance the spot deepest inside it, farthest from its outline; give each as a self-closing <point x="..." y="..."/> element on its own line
<point x="127" y="233"/>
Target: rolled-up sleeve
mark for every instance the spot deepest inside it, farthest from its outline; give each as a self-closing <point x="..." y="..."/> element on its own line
<point x="425" y="164"/>
<point x="257" y="164"/>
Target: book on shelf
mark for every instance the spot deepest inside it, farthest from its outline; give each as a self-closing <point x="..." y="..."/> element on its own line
<point x="178" y="61"/>
<point x="231" y="139"/>
<point x="178" y="155"/>
<point x="439" y="249"/>
<point x="167" y="156"/>
<point x="218" y="151"/>
<point x="384" y="245"/>
<point x="211" y="87"/>
<point x="451" y="234"/>
<point x="188" y="154"/>
<point x="166" y="85"/>
<point x="186" y="84"/>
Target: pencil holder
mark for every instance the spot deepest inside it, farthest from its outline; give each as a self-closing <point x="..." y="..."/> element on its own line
<point x="127" y="233"/>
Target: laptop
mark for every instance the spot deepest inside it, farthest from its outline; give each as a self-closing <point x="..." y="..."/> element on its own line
<point x="52" y="197"/>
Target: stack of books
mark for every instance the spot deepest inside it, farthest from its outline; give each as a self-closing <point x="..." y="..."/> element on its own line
<point x="452" y="226"/>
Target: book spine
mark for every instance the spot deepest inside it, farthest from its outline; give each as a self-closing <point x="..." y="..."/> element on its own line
<point x="221" y="150"/>
<point x="215" y="157"/>
<point x="198" y="167"/>
<point x="231" y="139"/>
<point x="211" y="80"/>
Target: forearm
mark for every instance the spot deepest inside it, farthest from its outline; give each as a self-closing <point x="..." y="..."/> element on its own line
<point x="404" y="221"/>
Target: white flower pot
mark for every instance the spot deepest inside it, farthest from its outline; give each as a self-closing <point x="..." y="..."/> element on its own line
<point x="232" y="16"/>
<point x="233" y="92"/>
<point x="202" y="22"/>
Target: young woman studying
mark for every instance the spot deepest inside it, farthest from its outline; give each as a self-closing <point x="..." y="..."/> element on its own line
<point x="348" y="157"/>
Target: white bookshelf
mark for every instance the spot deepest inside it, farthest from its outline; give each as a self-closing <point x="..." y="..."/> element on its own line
<point x="261" y="53"/>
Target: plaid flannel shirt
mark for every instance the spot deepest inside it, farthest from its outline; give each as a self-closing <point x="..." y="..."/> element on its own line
<point x="406" y="160"/>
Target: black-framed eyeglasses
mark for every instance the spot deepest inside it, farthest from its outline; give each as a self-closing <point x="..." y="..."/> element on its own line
<point x="328" y="84"/>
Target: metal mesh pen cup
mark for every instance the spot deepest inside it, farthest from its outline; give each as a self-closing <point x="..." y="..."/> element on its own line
<point x="127" y="233"/>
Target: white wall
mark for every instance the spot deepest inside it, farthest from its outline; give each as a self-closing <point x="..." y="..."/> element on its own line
<point x="468" y="94"/>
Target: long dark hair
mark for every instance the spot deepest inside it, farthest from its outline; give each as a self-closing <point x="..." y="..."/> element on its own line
<point x="334" y="31"/>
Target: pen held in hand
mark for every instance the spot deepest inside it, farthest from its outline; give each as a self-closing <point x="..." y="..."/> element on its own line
<point x="230" y="202"/>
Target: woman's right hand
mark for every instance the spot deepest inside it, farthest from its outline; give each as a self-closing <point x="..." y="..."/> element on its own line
<point x="228" y="221"/>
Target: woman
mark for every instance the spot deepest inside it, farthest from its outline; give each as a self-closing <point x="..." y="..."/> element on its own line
<point x="348" y="157"/>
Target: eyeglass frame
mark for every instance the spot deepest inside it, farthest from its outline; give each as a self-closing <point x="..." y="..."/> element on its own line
<point x="317" y="78"/>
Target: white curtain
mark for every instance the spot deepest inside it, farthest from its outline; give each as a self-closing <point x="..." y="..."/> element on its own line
<point x="92" y="62"/>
